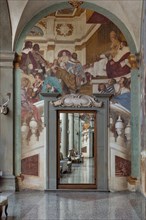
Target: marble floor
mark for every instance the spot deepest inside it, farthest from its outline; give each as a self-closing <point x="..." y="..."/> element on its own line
<point x="81" y="173"/>
<point x="38" y="205"/>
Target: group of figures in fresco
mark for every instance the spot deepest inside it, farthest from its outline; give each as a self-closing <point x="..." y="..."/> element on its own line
<point x="67" y="75"/>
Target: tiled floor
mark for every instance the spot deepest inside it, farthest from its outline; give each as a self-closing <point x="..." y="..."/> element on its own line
<point x="76" y="206"/>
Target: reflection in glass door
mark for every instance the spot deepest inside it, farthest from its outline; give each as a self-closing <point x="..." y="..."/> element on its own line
<point x="76" y="149"/>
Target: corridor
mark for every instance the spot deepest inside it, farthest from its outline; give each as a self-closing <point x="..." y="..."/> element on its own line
<point x="38" y="205"/>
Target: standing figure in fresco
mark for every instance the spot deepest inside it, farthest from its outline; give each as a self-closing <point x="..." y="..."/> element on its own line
<point x="118" y="64"/>
<point x="115" y="44"/>
<point x="123" y="49"/>
<point x="123" y="97"/>
<point x="104" y="64"/>
<point x="74" y="66"/>
<point x="27" y="63"/>
<point x="41" y="63"/>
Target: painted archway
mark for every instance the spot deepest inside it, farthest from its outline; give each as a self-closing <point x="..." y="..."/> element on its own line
<point x="27" y="29"/>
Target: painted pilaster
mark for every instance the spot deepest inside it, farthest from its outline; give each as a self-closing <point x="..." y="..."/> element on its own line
<point x="17" y="118"/>
<point x="135" y="123"/>
<point x="6" y="121"/>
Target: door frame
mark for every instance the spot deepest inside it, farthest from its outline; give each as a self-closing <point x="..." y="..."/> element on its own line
<point x="77" y="185"/>
<point x="52" y="105"/>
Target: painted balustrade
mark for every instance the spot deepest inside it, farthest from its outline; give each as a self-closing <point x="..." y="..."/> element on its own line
<point x="120" y="131"/>
<point x="32" y="132"/>
<point x="119" y="148"/>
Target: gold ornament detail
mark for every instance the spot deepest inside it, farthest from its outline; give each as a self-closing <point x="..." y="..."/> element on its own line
<point x="43" y="23"/>
<point x="75" y="3"/>
<point x="64" y="29"/>
<point x="134" y="60"/>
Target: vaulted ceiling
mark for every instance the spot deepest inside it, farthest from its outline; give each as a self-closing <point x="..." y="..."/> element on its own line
<point x="129" y="12"/>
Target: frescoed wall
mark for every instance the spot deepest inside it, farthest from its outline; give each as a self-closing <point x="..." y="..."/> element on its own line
<point x="59" y="56"/>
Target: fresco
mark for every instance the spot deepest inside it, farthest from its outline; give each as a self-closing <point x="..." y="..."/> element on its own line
<point x="123" y="167"/>
<point x="59" y="56"/>
<point x="67" y="74"/>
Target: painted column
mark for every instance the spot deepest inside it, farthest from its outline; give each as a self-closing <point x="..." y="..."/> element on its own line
<point x="91" y="136"/>
<point x="76" y="131"/>
<point x="71" y="131"/>
<point x="63" y="117"/>
<point x="80" y="136"/>
<point x="90" y="133"/>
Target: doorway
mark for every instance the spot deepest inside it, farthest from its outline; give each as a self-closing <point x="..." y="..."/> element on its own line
<point x="76" y="150"/>
<point x="94" y="116"/>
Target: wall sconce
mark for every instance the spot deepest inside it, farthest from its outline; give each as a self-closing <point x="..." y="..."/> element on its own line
<point x="4" y="107"/>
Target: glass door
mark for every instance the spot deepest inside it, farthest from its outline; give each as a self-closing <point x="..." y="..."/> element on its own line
<point x="76" y="154"/>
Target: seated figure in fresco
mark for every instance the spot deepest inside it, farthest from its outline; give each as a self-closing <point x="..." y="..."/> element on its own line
<point x="123" y="97"/>
<point x="74" y="67"/>
<point x="45" y="85"/>
<point x="63" y="58"/>
<point x="72" y="76"/>
<point x="51" y="85"/>
<point x="68" y="81"/>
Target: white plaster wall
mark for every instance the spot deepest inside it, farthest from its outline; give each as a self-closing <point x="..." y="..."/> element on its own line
<point x="129" y="12"/>
<point x="15" y="15"/>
